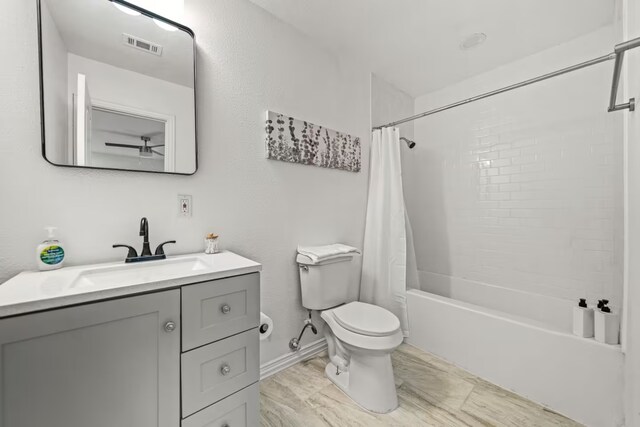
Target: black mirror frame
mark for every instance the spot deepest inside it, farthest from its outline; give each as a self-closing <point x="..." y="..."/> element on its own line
<point x="41" y="83"/>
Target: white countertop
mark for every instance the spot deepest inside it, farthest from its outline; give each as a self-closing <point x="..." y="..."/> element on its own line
<point x="36" y="291"/>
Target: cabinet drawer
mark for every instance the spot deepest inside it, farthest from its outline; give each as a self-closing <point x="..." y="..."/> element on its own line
<point x="217" y="370"/>
<point x="220" y="308"/>
<point x="238" y="410"/>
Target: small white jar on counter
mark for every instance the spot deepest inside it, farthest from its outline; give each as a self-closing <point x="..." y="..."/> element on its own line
<point x="211" y="242"/>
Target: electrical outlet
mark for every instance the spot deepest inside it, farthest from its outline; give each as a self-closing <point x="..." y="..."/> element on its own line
<point x="185" y="205"/>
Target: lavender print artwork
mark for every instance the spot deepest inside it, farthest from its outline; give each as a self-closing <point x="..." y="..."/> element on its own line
<point x="297" y="141"/>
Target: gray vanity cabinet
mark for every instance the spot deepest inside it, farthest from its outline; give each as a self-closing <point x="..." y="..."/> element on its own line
<point x="107" y="364"/>
<point x="187" y="357"/>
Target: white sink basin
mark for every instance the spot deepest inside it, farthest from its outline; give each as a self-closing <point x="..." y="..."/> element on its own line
<point x="36" y="291"/>
<point x="140" y="272"/>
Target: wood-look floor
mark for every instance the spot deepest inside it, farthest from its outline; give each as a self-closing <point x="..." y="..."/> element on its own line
<point x="431" y="392"/>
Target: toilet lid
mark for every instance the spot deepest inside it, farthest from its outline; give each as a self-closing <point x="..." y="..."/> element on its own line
<point x="366" y="319"/>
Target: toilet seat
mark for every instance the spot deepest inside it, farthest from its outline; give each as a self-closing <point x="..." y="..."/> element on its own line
<point x="386" y="342"/>
<point x="366" y="319"/>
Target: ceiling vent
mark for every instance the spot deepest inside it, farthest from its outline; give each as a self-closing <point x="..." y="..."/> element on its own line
<point x="141" y="44"/>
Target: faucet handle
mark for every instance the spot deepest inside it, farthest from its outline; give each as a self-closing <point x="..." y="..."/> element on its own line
<point x="132" y="252"/>
<point x="160" y="248"/>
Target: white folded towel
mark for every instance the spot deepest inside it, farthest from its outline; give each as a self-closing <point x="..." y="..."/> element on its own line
<point x="319" y="253"/>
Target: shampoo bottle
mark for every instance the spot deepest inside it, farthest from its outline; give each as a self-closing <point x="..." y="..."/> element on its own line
<point x="583" y="320"/>
<point x="50" y="254"/>
<point x="607" y="324"/>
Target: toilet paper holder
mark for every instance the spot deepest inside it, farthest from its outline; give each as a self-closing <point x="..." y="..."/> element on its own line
<point x="265" y="328"/>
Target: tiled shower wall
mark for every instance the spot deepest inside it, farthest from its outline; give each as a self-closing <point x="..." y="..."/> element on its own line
<point x="523" y="190"/>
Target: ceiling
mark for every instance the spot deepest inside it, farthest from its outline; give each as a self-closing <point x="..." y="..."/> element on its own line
<point x="93" y="29"/>
<point x="414" y="44"/>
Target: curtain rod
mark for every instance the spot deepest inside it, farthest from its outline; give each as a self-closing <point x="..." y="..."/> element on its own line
<point x="617" y="54"/>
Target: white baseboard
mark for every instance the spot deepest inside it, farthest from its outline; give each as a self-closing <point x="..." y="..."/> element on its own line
<point x="287" y="360"/>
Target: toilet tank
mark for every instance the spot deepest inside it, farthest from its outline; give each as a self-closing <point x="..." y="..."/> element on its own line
<point x="327" y="283"/>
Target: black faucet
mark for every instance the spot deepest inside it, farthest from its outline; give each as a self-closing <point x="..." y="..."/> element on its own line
<point x="144" y="231"/>
<point x="132" y="255"/>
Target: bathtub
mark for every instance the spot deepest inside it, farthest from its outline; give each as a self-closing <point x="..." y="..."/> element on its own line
<point x="536" y="356"/>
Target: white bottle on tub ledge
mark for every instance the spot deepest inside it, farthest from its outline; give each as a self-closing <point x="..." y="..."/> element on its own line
<point x="583" y="320"/>
<point x="607" y="324"/>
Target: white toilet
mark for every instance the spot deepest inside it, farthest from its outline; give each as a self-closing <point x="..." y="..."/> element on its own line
<point x="360" y="336"/>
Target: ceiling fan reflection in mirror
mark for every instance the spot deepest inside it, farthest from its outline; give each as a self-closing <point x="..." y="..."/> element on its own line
<point x="146" y="150"/>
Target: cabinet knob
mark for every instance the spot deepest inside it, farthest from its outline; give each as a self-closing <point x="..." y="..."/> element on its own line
<point x="225" y="309"/>
<point x="225" y="369"/>
<point x="170" y="326"/>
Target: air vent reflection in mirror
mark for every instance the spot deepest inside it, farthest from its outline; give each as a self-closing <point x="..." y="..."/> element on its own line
<point x="141" y="44"/>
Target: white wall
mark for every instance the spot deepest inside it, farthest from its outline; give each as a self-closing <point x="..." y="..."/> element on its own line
<point x="631" y="332"/>
<point x="524" y="190"/>
<point x="54" y="63"/>
<point x="131" y="89"/>
<point x="389" y="104"/>
<point x="247" y="62"/>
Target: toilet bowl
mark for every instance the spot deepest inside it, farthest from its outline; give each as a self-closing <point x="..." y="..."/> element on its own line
<point x="360" y="339"/>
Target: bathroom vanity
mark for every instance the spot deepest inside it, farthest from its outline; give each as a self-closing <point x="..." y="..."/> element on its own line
<point x="164" y="343"/>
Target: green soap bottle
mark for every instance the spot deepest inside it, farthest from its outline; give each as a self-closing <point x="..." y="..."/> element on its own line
<point x="50" y="254"/>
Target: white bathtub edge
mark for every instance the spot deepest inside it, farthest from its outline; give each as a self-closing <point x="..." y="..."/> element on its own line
<point x="577" y="377"/>
<point x="518" y="320"/>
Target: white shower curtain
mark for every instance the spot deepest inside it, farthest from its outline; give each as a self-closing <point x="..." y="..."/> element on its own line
<point x="385" y="255"/>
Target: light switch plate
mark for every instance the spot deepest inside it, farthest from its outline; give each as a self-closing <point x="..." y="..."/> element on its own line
<point x="185" y="205"/>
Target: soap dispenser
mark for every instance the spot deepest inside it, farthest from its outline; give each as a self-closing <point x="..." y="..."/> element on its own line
<point x="607" y="324"/>
<point x="50" y="254"/>
<point x="583" y="320"/>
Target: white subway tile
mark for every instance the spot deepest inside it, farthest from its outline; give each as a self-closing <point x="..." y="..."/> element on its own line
<point x="509" y="170"/>
<point x="509" y="153"/>
<point x="525" y="193"/>
<point x="500" y="163"/>
<point x="500" y="179"/>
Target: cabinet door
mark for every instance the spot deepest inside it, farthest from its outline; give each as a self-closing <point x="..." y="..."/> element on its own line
<point x="98" y="365"/>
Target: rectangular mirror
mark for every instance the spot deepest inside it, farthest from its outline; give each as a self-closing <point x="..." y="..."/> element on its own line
<point x="117" y="88"/>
